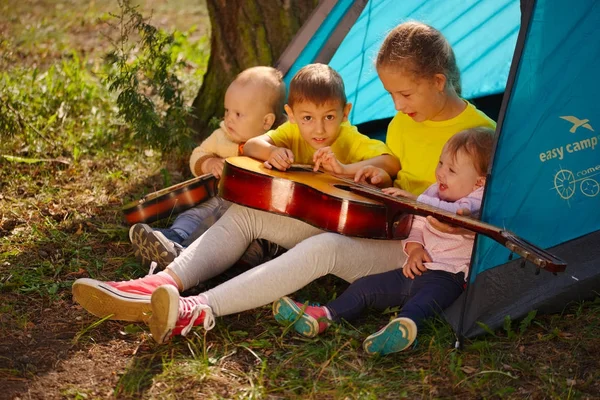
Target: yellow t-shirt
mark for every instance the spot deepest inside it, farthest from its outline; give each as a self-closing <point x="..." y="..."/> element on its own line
<point x="350" y="146"/>
<point x="418" y="145"/>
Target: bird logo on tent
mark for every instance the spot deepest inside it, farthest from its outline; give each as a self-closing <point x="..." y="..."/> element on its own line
<point x="577" y="123"/>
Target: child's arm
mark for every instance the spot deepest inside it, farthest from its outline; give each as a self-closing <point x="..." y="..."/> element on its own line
<point x="417" y="255"/>
<point x="414" y="248"/>
<point x="205" y="158"/>
<point x="326" y="159"/>
<point x="263" y="148"/>
<point x="397" y="192"/>
<point x="213" y="165"/>
<point x="373" y="175"/>
<point x="472" y="202"/>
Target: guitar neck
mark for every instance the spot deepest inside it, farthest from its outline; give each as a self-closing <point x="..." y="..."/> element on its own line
<point x="525" y="249"/>
<point x="178" y="186"/>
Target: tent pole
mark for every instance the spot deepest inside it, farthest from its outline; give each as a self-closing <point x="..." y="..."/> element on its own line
<point x="527" y="8"/>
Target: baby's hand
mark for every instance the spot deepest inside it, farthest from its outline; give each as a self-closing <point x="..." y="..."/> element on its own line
<point x="452" y="229"/>
<point x="371" y="174"/>
<point x="214" y="165"/>
<point x="416" y="257"/>
<point x="280" y="158"/>
<point x="324" y="157"/>
<point x="397" y="192"/>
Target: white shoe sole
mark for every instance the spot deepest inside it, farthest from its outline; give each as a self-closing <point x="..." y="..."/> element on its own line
<point x="103" y="301"/>
<point x="396" y="336"/>
<point x="165" y="312"/>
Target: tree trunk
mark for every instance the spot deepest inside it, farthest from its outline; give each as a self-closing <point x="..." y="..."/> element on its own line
<point x="245" y="33"/>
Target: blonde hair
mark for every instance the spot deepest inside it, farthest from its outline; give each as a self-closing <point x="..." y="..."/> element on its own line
<point x="270" y="81"/>
<point x="422" y="50"/>
<point x="318" y="84"/>
<point x="477" y="143"/>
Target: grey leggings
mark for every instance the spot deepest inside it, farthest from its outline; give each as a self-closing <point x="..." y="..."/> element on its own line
<point x="312" y="253"/>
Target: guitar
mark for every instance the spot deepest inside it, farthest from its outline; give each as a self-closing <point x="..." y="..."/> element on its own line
<point x="172" y="200"/>
<point x="343" y="206"/>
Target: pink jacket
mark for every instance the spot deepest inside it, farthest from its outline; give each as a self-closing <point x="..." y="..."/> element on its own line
<point x="449" y="252"/>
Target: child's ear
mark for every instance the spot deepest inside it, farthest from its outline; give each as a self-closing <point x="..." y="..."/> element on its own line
<point x="480" y="182"/>
<point x="268" y="121"/>
<point x="347" y="109"/>
<point x="290" y="113"/>
<point x="440" y="82"/>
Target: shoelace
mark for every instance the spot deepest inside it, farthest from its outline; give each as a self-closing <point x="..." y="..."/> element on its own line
<point x="192" y="310"/>
<point x="153" y="266"/>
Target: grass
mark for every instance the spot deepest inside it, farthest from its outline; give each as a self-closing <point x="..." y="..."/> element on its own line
<point x="63" y="179"/>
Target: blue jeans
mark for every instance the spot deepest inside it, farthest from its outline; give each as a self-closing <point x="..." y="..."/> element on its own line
<point x="190" y="224"/>
<point x="420" y="298"/>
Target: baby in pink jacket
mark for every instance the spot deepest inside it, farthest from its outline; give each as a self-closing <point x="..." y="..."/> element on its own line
<point x="437" y="263"/>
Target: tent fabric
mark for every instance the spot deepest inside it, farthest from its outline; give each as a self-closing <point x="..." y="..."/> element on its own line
<point x="547" y="158"/>
<point x="544" y="180"/>
<point x="483" y="34"/>
<point x="513" y="290"/>
<point x="544" y="183"/>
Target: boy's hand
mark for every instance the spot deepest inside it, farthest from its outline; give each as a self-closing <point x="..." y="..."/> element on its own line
<point x="417" y="255"/>
<point x="371" y="174"/>
<point x="214" y="165"/>
<point x="324" y="157"/>
<point x="280" y="158"/>
<point x="397" y="192"/>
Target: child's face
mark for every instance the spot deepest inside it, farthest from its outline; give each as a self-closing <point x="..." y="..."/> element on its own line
<point x="419" y="98"/>
<point x="456" y="175"/>
<point x="245" y="112"/>
<point x="319" y="124"/>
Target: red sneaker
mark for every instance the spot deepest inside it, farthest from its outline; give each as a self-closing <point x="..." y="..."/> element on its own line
<point x="308" y="320"/>
<point x="175" y="315"/>
<point x="126" y="300"/>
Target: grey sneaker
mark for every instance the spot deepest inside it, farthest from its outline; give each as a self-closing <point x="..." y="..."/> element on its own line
<point x="150" y="245"/>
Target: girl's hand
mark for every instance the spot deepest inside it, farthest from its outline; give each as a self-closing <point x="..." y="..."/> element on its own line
<point x="417" y="255"/>
<point x="371" y="174"/>
<point x="325" y="158"/>
<point x="280" y="158"/>
<point x="397" y="192"/>
<point x="214" y="165"/>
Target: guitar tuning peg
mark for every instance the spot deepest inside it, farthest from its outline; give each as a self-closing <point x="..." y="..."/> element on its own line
<point x="537" y="270"/>
<point x="510" y="256"/>
<point x="523" y="261"/>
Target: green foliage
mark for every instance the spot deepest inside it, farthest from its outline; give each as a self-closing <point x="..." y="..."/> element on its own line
<point x="141" y="69"/>
<point x="62" y="111"/>
<point x="508" y="327"/>
<point x="526" y="322"/>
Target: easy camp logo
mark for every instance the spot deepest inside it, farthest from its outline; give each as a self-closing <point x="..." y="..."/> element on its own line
<point x="584" y="123"/>
<point x="573" y="147"/>
<point x="568" y="182"/>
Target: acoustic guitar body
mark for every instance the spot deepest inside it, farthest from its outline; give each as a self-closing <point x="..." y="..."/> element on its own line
<point x="319" y="199"/>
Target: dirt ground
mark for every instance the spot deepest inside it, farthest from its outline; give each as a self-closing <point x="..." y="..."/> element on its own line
<point x="50" y="348"/>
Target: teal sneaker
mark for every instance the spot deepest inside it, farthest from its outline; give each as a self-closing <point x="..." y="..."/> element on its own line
<point x="396" y="336"/>
<point x="308" y="320"/>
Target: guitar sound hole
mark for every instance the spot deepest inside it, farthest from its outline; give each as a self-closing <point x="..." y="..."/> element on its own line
<point x="343" y="187"/>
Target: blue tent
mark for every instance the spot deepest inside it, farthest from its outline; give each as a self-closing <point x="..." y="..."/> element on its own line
<point x="538" y="58"/>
